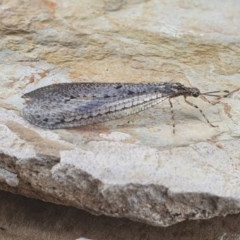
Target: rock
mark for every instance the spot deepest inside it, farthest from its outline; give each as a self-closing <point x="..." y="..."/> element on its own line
<point x="24" y="218"/>
<point x="132" y="167"/>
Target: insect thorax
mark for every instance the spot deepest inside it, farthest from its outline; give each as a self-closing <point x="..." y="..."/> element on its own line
<point x="178" y="89"/>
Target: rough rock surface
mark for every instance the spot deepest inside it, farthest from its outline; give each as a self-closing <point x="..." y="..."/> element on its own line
<point x="29" y="219"/>
<point x="133" y="167"/>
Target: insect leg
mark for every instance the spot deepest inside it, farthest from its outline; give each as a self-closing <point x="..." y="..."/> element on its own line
<point x="200" y="110"/>
<point x="172" y="113"/>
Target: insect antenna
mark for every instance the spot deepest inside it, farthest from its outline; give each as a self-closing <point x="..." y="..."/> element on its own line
<point x="213" y="94"/>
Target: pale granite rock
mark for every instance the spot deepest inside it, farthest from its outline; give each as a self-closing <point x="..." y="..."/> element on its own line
<point x="133" y="167"/>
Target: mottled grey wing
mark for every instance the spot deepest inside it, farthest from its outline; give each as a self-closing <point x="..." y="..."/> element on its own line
<point x="75" y="104"/>
<point x="76" y="112"/>
<point x="63" y="91"/>
<point x="47" y="113"/>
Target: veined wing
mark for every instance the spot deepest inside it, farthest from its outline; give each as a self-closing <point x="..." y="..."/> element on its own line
<point x="65" y="91"/>
<point x="75" y="112"/>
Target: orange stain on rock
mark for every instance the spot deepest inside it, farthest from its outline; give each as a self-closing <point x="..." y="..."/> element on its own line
<point x="43" y="73"/>
<point x="51" y="5"/>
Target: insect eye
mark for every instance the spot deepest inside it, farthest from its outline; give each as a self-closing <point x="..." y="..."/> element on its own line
<point x="195" y="92"/>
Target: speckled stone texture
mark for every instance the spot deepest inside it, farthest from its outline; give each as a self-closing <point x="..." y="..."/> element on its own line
<point x="132" y="167"/>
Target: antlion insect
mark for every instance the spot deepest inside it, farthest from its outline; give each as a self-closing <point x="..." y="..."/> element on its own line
<point x="68" y="105"/>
